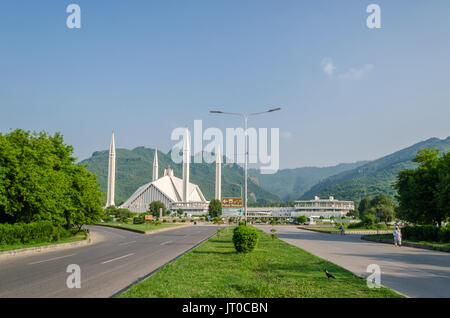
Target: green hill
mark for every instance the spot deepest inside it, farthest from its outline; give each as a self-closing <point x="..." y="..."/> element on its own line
<point x="290" y="184"/>
<point x="135" y="168"/>
<point x="373" y="178"/>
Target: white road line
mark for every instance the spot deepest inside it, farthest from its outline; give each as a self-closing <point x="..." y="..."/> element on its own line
<point x="127" y="243"/>
<point x="115" y="259"/>
<point x="51" y="259"/>
<point x="166" y="243"/>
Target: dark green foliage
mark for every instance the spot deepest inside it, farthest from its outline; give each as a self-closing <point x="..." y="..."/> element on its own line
<point x="34" y="232"/>
<point x="215" y="208"/>
<point x="39" y="180"/>
<point x="134" y="168"/>
<point x="245" y="238"/>
<point x="155" y="207"/>
<point x="423" y="193"/>
<point x="121" y="215"/>
<point x="428" y="233"/>
<point x="140" y="219"/>
<point x="381" y="207"/>
<point x="368" y="220"/>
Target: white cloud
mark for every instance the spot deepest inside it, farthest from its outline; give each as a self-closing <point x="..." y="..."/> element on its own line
<point x="356" y="73"/>
<point x="328" y="66"/>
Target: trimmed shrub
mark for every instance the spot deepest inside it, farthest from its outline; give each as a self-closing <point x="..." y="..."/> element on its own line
<point x="138" y="220"/>
<point x="429" y="233"/>
<point x="35" y="232"/>
<point x="444" y="234"/>
<point x="245" y="238"/>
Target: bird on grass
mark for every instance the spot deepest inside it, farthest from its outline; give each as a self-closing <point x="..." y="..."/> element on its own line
<point x="328" y="274"/>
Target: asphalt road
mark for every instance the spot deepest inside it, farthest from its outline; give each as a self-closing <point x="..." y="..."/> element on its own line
<point x="115" y="261"/>
<point x="411" y="271"/>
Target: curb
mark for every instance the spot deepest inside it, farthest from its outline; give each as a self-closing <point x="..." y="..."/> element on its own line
<point x="44" y="248"/>
<point x="348" y="232"/>
<point x="144" y="232"/>
<point x="408" y="244"/>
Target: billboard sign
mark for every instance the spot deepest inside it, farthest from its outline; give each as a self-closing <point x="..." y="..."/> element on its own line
<point x="234" y="203"/>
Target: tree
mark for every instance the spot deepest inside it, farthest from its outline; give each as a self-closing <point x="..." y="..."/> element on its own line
<point x="39" y="181"/>
<point x="353" y="213"/>
<point x="302" y="219"/>
<point x="215" y="208"/>
<point x="385" y="213"/>
<point x="381" y="199"/>
<point x="155" y="207"/>
<point x="364" y="206"/>
<point x="180" y="212"/>
<point x="423" y="192"/>
<point x="86" y="198"/>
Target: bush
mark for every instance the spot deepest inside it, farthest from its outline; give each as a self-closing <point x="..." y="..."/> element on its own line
<point x="368" y="220"/>
<point x="245" y="238"/>
<point x="339" y="225"/>
<point x="302" y="219"/>
<point x="35" y="232"/>
<point x="174" y="221"/>
<point x="429" y="233"/>
<point x="444" y="234"/>
<point x="138" y="220"/>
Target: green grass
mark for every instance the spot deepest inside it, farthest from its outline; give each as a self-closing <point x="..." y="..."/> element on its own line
<point x="275" y="269"/>
<point x="141" y="227"/>
<point x="390" y="237"/>
<point x="74" y="238"/>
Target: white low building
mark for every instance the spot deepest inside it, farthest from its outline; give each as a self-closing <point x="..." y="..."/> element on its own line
<point x="323" y="207"/>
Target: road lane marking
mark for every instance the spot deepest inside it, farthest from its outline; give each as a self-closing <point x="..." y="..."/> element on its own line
<point x="117" y="258"/>
<point x="127" y="243"/>
<point x="166" y="243"/>
<point x="51" y="259"/>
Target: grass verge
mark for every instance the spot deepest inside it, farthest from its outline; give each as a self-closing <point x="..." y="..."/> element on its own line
<point x="275" y="269"/>
<point x="140" y="227"/>
<point x="77" y="237"/>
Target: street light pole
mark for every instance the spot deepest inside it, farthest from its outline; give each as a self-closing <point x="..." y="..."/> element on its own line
<point x="245" y="167"/>
<point x="245" y="116"/>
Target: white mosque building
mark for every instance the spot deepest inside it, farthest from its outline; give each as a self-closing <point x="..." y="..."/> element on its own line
<point x="176" y="193"/>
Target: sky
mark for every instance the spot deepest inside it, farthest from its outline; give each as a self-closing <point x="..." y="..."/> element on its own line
<point x="143" y="68"/>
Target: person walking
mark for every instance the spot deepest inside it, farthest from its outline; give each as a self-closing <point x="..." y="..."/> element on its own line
<point x="342" y="229"/>
<point x="397" y="237"/>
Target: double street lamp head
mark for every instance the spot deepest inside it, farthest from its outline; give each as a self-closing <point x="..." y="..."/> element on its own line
<point x="267" y="111"/>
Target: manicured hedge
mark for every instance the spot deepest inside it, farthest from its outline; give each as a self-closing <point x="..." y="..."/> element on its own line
<point x="429" y="233"/>
<point x="245" y="238"/>
<point x="35" y="232"/>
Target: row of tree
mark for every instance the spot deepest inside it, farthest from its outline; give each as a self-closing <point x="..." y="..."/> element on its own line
<point x="424" y="193"/>
<point x="39" y="180"/>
